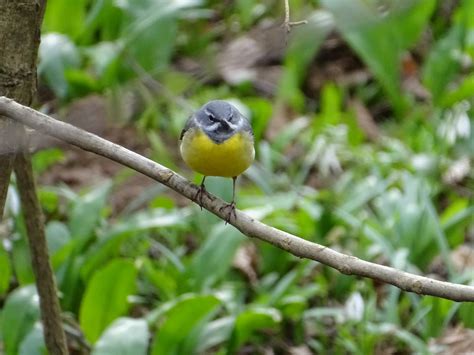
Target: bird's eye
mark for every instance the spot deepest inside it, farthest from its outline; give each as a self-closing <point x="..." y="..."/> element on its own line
<point x="212" y="117"/>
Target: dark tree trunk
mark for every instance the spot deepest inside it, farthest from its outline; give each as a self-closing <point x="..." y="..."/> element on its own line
<point x="20" y="25"/>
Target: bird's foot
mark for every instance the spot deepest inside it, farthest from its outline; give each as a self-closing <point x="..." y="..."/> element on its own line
<point x="231" y="211"/>
<point x="199" y="193"/>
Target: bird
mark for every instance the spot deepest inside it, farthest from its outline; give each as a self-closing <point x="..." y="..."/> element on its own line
<point x="217" y="140"/>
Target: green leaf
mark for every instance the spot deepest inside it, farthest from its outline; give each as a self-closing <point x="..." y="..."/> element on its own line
<point x="437" y="319"/>
<point x="182" y="320"/>
<point x="33" y="344"/>
<point x="215" y="333"/>
<point x="109" y="244"/>
<point x="408" y="19"/>
<point x="86" y="211"/>
<point x="57" y="17"/>
<point x="43" y="159"/>
<point x="372" y="39"/>
<point x="464" y="91"/>
<point x="125" y="336"/>
<point x="214" y="258"/>
<point x="57" y="236"/>
<point x="146" y="21"/>
<point x="441" y="66"/>
<point x="6" y="270"/>
<point x="261" y="114"/>
<point x="106" y="297"/>
<point x="20" y="313"/>
<point x="466" y="313"/>
<point x="22" y="261"/>
<point x="250" y="321"/>
<point x="163" y="281"/>
<point x="56" y="54"/>
<point x="380" y="40"/>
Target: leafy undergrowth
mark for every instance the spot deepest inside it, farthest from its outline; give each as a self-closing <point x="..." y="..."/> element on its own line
<point x="364" y="139"/>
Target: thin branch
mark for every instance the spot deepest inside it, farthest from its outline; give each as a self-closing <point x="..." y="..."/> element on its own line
<point x="287" y="23"/>
<point x="300" y="247"/>
<point x="45" y="284"/>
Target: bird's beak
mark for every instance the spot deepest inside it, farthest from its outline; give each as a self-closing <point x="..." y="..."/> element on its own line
<point x="224" y="124"/>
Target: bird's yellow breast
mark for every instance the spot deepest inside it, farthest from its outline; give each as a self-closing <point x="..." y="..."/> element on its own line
<point x="228" y="159"/>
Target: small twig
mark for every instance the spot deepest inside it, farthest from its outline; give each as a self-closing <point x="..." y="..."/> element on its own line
<point x="287" y="23"/>
<point x="300" y="247"/>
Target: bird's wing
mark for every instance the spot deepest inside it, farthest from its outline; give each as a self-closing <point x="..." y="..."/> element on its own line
<point x="189" y="123"/>
<point x="246" y="127"/>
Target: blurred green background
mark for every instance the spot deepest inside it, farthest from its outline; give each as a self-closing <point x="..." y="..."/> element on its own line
<point x="363" y="121"/>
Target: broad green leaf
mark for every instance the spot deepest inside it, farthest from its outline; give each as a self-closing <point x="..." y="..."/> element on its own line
<point x="33" y="344"/>
<point x="68" y="267"/>
<point x="164" y="282"/>
<point x="102" y="56"/>
<point x="214" y="258"/>
<point x="466" y="313"/>
<point x="380" y="40"/>
<point x="149" y="20"/>
<point x="454" y="220"/>
<point x="22" y="260"/>
<point x="5" y="270"/>
<point x="215" y="333"/>
<point x="261" y="114"/>
<point x="463" y="91"/>
<point x="56" y="18"/>
<point x="125" y="336"/>
<point x="437" y="319"/>
<point x="408" y="19"/>
<point x="57" y="236"/>
<point x="48" y="199"/>
<point x="183" y="319"/>
<point x="44" y="159"/>
<point x="373" y="40"/>
<point x="104" y="22"/>
<point x="441" y="66"/>
<point x="109" y="244"/>
<point x="252" y="320"/>
<point x="20" y="313"/>
<point x="56" y="54"/>
<point x="86" y="211"/>
<point x="105" y="298"/>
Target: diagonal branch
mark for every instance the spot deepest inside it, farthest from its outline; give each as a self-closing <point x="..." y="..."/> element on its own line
<point x="300" y="247"/>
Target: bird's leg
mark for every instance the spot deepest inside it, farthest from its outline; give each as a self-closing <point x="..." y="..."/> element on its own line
<point x="200" y="192"/>
<point x="231" y="206"/>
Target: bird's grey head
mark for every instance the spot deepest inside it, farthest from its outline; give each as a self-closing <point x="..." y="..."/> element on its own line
<point x="220" y="120"/>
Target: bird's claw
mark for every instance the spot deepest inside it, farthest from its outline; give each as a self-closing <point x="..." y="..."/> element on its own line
<point x="199" y="193"/>
<point x="232" y="213"/>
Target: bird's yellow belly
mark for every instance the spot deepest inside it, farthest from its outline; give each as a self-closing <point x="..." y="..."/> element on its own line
<point x="228" y="159"/>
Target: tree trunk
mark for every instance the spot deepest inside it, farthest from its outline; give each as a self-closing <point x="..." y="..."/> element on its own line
<point x="20" y="23"/>
<point x="20" y="26"/>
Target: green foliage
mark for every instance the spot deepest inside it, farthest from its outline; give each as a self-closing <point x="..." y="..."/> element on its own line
<point x="182" y="324"/>
<point x="381" y="40"/>
<point x="126" y="336"/>
<point x="19" y="315"/>
<point x="105" y="299"/>
<point x="161" y="276"/>
<point x="6" y="274"/>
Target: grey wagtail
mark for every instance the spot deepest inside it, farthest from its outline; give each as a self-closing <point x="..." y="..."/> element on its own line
<point x="217" y="140"/>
